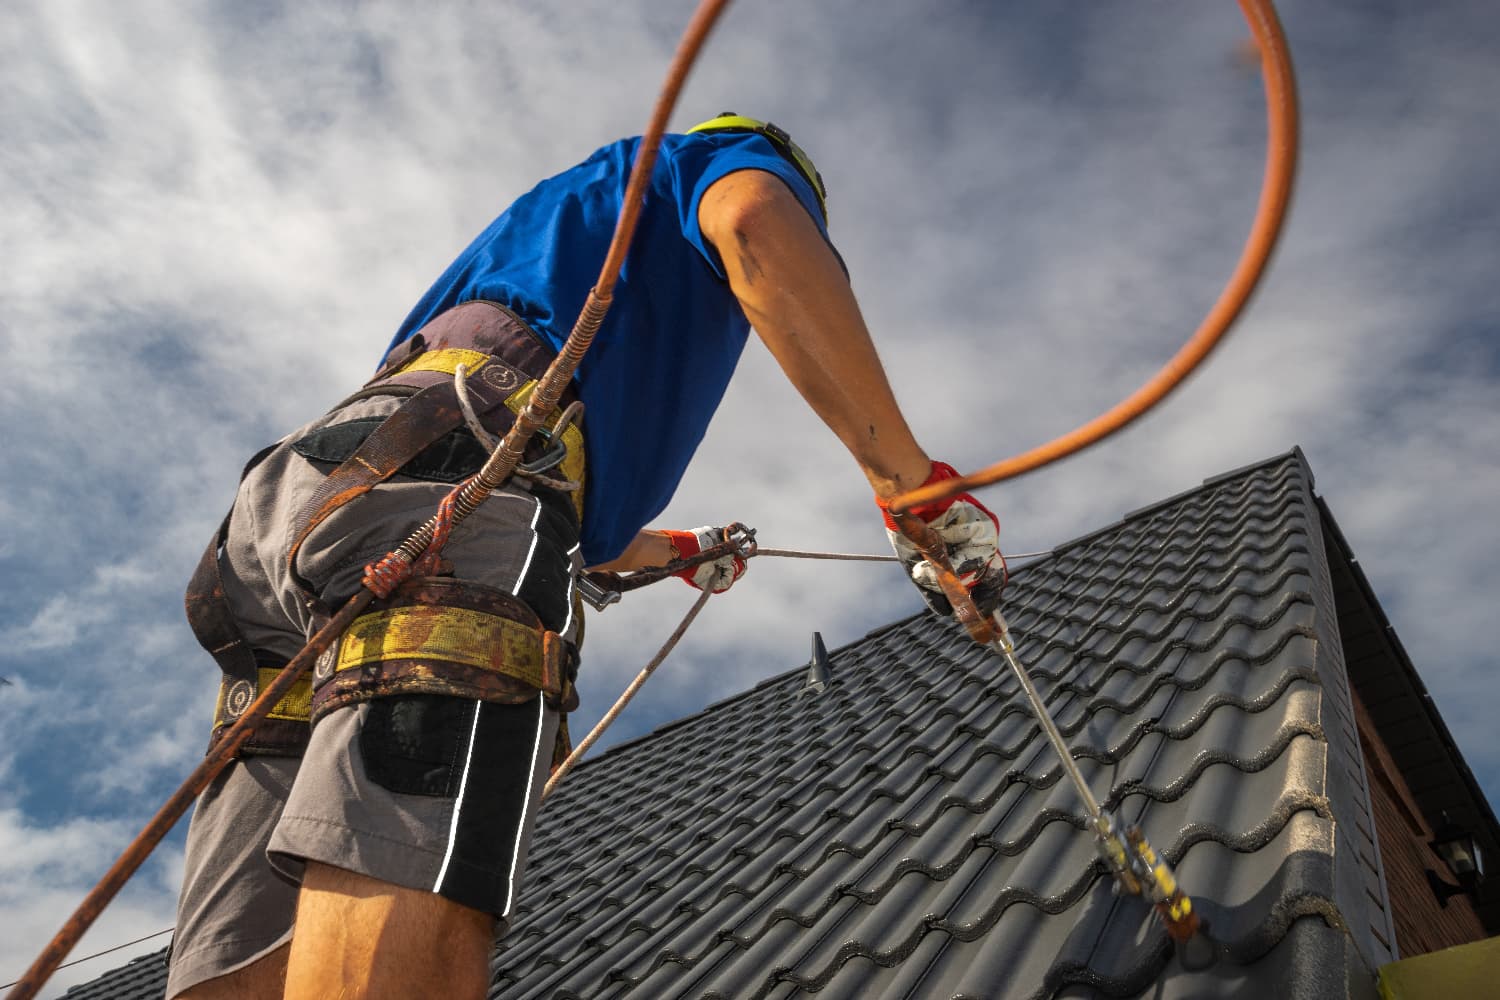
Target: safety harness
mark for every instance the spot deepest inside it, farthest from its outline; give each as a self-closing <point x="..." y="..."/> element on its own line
<point x="434" y="634"/>
<point x="439" y="635"/>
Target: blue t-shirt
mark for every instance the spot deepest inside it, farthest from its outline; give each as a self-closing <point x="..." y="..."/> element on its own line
<point x="662" y="359"/>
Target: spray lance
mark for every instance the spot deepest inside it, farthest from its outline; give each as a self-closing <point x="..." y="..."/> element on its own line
<point x="1135" y="865"/>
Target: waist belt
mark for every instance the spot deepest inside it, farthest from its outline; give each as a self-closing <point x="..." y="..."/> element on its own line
<point x="433" y="636"/>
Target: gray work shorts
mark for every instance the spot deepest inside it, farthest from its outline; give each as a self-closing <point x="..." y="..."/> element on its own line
<point x="424" y="791"/>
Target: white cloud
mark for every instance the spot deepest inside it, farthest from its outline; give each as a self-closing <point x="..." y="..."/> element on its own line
<point x="45" y="871"/>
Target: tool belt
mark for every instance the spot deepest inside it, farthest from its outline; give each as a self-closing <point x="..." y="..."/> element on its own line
<point x="412" y="643"/>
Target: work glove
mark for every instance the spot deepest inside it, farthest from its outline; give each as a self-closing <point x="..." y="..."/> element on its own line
<point x="972" y="535"/>
<point x="716" y="576"/>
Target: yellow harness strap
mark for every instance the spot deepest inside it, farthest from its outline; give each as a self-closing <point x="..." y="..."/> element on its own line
<point x="439" y="635"/>
<point x="285" y="729"/>
<point x="446" y="635"/>
<point x="445" y="361"/>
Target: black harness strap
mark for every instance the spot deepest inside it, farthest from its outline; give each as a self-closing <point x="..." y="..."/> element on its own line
<point x="419" y="422"/>
<point x="216" y="630"/>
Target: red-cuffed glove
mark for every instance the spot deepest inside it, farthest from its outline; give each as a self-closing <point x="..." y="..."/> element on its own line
<point x="718" y="575"/>
<point x="971" y="533"/>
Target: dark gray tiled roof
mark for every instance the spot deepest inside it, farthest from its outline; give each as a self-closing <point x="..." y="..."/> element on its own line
<point x="145" y="978"/>
<point x="908" y="833"/>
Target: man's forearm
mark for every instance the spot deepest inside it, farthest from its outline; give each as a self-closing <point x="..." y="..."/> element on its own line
<point x="648" y="548"/>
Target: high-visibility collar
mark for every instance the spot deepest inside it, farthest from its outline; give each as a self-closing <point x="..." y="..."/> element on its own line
<point x="780" y="141"/>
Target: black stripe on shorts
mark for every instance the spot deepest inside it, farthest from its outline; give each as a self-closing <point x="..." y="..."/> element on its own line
<point x="482" y="846"/>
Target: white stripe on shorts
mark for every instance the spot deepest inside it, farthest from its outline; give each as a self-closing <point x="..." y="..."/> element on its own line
<point x="536" y="516"/>
<point x="458" y="803"/>
<point x="568" y="622"/>
<point x="572" y="585"/>
<point x="515" y="857"/>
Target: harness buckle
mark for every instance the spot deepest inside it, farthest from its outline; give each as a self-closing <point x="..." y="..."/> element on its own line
<point x="557" y="450"/>
<point x="598" y="595"/>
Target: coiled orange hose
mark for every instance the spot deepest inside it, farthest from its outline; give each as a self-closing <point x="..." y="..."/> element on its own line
<point x="1275" y="196"/>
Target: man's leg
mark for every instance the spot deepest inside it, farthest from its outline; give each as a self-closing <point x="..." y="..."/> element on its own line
<point x="359" y="937"/>
<point x="434" y="800"/>
<point x="409" y="822"/>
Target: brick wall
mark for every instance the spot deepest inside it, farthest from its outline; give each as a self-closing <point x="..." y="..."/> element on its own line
<point x="1423" y="924"/>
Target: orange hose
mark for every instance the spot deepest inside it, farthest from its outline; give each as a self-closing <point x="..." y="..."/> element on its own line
<point x="693" y="37"/>
<point x="1275" y="195"/>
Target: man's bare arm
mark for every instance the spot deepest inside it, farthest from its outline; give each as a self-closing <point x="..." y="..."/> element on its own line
<point x="796" y="296"/>
<point x="647" y="548"/>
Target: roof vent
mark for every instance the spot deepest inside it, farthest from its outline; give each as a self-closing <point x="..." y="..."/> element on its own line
<point x="819" y="677"/>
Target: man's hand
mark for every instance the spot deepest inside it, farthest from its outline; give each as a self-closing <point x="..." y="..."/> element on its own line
<point x="972" y="536"/>
<point x="716" y="576"/>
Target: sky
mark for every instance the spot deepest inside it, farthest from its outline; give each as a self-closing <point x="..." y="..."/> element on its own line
<point x="213" y="216"/>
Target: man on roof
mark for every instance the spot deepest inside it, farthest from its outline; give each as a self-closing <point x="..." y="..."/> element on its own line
<point x="391" y="834"/>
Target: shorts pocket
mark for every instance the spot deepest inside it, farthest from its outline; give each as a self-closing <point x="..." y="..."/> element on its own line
<point x="417" y="744"/>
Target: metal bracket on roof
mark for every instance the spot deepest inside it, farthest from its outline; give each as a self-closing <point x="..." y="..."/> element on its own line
<point x="819" y="676"/>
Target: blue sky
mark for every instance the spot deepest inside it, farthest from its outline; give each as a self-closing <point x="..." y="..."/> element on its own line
<point x="212" y="216"/>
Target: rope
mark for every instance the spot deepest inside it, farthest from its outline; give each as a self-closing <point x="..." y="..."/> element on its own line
<point x="640" y="679"/>
<point x="382" y="578"/>
<point x="845" y="556"/>
<point x="466" y="403"/>
<point x="1275" y="196"/>
<point x="859" y="557"/>
<point x="625" y="697"/>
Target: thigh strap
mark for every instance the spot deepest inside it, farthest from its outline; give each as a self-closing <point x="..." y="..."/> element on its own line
<point x="439" y="635"/>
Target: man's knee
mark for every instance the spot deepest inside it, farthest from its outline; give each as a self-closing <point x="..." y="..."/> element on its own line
<point x="331" y="891"/>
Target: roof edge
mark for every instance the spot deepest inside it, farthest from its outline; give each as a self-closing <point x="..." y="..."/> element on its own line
<point x="1423" y="697"/>
<point x="1295" y="453"/>
<point x="1179" y="497"/>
